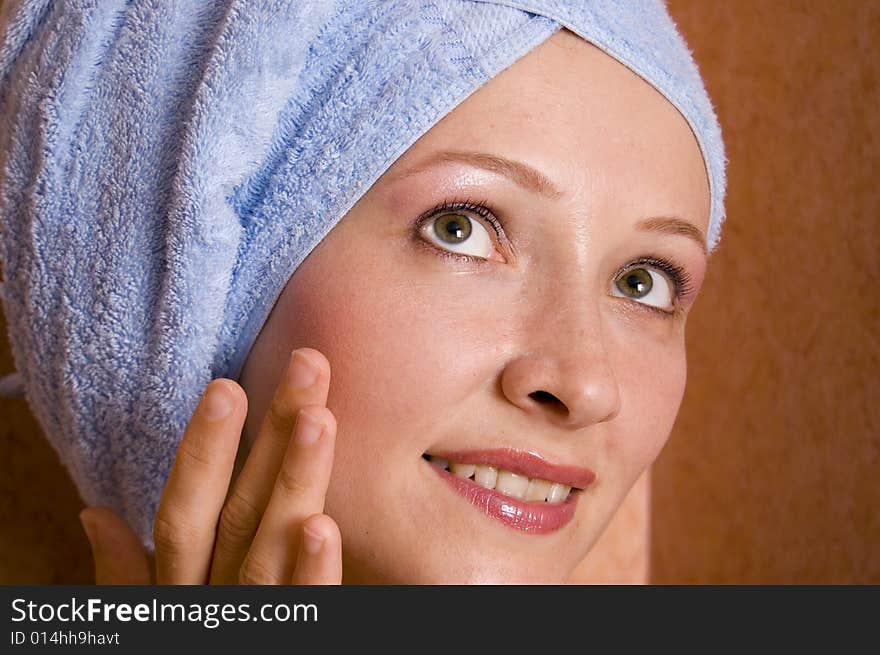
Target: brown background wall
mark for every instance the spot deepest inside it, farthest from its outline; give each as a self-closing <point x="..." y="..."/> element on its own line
<point x="772" y="474"/>
<point x="773" y="471"/>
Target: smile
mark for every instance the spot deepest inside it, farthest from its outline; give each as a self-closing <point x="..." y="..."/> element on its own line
<point x="506" y="482"/>
<point x="518" y="489"/>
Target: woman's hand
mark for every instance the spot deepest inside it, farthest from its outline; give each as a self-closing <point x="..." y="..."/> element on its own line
<point x="269" y="528"/>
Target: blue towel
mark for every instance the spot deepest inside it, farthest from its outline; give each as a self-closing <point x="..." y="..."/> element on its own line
<point x="167" y="165"/>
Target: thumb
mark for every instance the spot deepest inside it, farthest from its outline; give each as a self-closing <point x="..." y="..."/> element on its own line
<point x="118" y="554"/>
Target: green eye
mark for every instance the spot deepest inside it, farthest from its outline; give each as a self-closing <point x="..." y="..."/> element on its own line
<point x="645" y="285"/>
<point x="460" y="234"/>
<point x="453" y="228"/>
<point x="636" y="283"/>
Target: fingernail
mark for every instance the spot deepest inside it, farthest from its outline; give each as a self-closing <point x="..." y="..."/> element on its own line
<point x="308" y="429"/>
<point x="312" y="541"/>
<point x="218" y="404"/>
<point x="302" y="373"/>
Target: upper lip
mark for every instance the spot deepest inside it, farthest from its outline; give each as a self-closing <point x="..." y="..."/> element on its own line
<point x="523" y="462"/>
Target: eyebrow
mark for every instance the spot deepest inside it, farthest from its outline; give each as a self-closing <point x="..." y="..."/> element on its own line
<point x="521" y="174"/>
<point x="673" y="225"/>
<point x="534" y="180"/>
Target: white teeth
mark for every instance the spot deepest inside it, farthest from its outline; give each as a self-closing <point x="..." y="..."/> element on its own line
<point x="486" y="476"/>
<point x="512" y="484"/>
<point x="439" y="462"/>
<point x="464" y="470"/>
<point x="558" y="493"/>
<point x="538" y="489"/>
<point x="506" y="482"/>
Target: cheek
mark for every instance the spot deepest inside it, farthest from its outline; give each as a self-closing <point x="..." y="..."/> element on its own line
<point x="652" y="382"/>
<point x="400" y="368"/>
<point x="385" y="351"/>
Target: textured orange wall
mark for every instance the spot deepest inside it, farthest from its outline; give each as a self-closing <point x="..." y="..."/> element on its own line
<point x="772" y="474"/>
<point x="773" y="471"/>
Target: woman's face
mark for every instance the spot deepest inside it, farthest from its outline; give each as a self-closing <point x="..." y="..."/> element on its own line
<point x="553" y="354"/>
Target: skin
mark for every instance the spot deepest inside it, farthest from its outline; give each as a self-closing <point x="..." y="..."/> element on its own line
<point x="430" y="353"/>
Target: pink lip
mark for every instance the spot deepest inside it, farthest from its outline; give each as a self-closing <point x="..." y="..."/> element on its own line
<point x="535" y="517"/>
<point x="524" y="463"/>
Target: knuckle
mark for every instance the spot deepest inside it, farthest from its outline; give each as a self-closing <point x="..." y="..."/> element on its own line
<point x="238" y="519"/>
<point x="255" y="572"/>
<point x="172" y="536"/>
<point x="194" y="451"/>
<point x="292" y="484"/>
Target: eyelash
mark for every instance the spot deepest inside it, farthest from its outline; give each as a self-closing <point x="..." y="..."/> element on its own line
<point x="480" y="208"/>
<point x="680" y="278"/>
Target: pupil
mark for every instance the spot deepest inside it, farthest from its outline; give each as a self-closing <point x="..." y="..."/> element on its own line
<point x="639" y="282"/>
<point x="454" y="229"/>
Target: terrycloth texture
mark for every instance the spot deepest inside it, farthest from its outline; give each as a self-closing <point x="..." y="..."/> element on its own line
<point x="167" y="165"/>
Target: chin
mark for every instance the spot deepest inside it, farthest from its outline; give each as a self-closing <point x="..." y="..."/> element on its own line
<point x="454" y="566"/>
<point x="434" y="535"/>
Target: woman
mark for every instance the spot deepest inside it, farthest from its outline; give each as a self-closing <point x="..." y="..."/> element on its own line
<point x="489" y="348"/>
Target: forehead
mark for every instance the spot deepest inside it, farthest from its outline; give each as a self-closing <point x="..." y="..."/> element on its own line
<point x="588" y="123"/>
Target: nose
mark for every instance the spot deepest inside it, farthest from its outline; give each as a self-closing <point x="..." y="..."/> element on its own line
<point x="567" y="377"/>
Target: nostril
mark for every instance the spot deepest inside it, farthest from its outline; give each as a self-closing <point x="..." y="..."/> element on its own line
<point x="544" y="397"/>
<point x="547" y="398"/>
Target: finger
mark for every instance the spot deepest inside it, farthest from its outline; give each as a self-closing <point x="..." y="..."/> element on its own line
<point x="186" y="522"/>
<point x="298" y="493"/>
<point x="118" y="554"/>
<point x="319" y="561"/>
<point x="305" y="382"/>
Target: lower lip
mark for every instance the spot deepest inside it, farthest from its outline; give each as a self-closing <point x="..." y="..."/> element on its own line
<point x="537" y="518"/>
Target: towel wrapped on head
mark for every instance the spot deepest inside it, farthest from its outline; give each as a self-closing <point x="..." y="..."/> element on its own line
<point x="165" y="166"/>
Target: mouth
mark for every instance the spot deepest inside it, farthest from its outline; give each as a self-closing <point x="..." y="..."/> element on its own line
<point x="519" y="489"/>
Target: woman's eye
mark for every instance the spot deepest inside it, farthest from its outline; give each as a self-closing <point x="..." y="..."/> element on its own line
<point x="645" y="285"/>
<point x="459" y="234"/>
